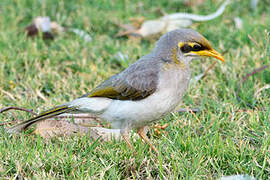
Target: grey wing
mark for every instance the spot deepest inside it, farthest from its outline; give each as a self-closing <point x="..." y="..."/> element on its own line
<point x="137" y="82"/>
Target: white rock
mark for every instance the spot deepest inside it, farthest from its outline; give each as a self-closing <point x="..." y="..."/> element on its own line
<point x="152" y="27"/>
<point x="43" y="23"/>
<point x="82" y="34"/>
<point x="238" y="177"/>
<point x="253" y="4"/>
<point x="238" y="22"/>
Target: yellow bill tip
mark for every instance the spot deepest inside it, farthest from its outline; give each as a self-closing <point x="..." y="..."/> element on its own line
<point x="211" y="53"/>
<point x="217" y="55"/>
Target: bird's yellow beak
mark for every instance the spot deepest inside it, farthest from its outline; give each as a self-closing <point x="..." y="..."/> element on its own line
<point x="210" y="53"/>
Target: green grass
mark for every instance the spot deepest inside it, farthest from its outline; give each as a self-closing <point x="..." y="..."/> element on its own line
<point x="220" y="140"/>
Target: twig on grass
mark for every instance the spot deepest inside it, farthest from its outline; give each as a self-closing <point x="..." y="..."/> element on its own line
<point x="254" y="72"/>
<point x="244" y="79"/>
<point x="17" y="108"/>
<point x="208" y="69"/>
<point x="193" y="110"/>
<point x="212" y="65"/>
<point x="4" y="123"/>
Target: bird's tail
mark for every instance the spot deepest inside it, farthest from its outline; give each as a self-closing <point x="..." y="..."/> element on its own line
<point x="44" y="115"/>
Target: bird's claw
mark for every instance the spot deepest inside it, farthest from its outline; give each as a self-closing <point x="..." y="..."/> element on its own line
<point x="159" y="129"/>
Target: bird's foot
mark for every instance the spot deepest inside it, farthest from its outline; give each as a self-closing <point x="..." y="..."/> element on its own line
<point x="125" y="135"/>
<point x="142" y="134"/>
<point x="160" y="129"/>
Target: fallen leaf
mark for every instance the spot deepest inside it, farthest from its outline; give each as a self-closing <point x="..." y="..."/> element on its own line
<point x="166" y="23"/>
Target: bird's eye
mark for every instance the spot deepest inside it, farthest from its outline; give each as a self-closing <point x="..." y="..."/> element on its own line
<point x="197" y="47"/>
<point x="186" y="48"/>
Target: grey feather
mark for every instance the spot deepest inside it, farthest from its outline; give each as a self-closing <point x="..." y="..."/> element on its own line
<point x="137" y="82"/>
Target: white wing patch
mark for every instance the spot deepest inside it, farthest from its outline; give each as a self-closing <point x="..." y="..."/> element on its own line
<point x="92" y="105"/>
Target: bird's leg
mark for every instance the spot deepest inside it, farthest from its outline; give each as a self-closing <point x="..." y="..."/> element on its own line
<point x="125" y="136"/>
<point x="141" y="132"/>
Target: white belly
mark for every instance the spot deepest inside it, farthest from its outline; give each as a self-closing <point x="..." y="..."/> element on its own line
<point x="133" y="114"/>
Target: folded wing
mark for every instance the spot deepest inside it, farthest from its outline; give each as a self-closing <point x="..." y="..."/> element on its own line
<point x="135" y="83"/>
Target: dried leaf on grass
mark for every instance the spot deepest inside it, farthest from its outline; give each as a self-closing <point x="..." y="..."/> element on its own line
<point x="70" y="124"/>
<point x="83" y="124"/>
<point x="167" y="23"/>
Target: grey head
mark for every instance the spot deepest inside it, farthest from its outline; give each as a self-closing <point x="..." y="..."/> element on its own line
<point x="184" y="45"/>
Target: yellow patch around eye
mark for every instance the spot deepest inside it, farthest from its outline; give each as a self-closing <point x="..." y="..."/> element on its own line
<point x="192" y="44"/>
<point x="181" y="44"/>
<point x="174" y="55"/>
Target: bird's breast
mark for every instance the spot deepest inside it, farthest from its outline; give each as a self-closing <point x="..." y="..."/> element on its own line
<point x="171" y="87"/>
<point x="173" y="83"/>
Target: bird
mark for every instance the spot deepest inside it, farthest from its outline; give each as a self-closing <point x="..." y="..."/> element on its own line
<point x="143" y="93"/>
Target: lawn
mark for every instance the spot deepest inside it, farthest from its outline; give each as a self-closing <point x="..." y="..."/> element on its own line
<point x="226" y="137"/>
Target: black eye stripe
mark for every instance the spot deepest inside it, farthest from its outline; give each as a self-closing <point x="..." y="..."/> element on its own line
<point x="187" y="48"/>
